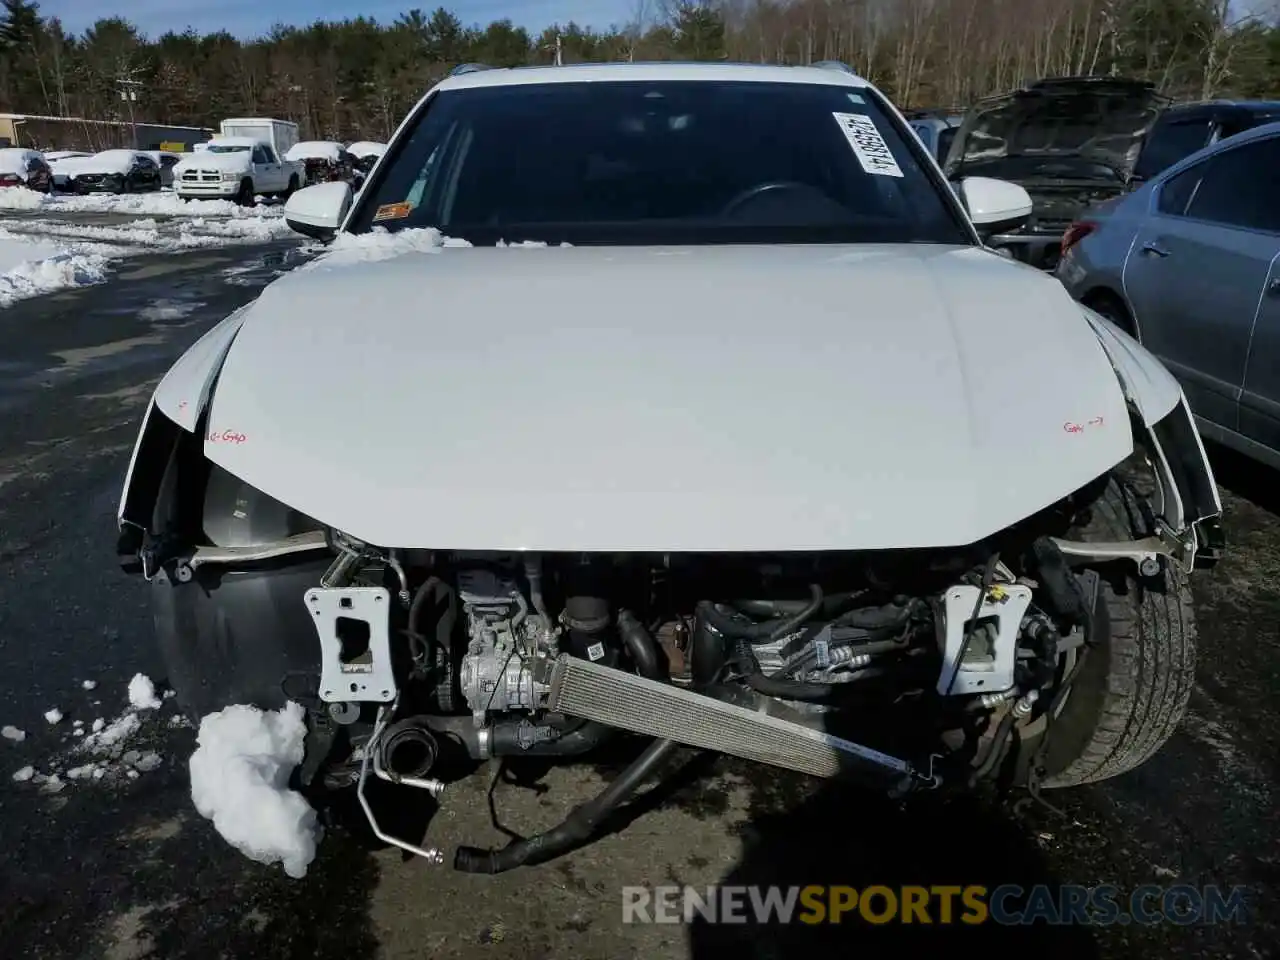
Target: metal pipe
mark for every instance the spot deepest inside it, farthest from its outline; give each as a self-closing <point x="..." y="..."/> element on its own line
<point x="431" y="854"/>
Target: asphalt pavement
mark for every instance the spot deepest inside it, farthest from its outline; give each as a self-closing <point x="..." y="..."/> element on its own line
<point x="123" y="867"/>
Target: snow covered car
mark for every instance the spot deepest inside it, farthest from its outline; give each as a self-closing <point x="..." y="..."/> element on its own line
<point x="324" y="160"/>
<point x="236" y="168"/>
<point x="25" y="168"/>
<point x="60" y="165"/>
<point x="366" y="154"/>
<point x="112" y="171"/>
<point x="680" y="401"/>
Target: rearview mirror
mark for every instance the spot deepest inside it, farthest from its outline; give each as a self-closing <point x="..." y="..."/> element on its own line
<point x="318" y="211"/>
<point x="995" y="206"/>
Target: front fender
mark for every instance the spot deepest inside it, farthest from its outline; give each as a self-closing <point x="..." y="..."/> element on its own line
<point x="177" y="405"/>
<point x="1148" y="386"/>
<point x="184" y="392"/>
<point x="1189" y="503"/>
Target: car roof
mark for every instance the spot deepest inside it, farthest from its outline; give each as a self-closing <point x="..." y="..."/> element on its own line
<point x="1260" y="132"/>
<point x="1212" y="107"/>
<point x="596" y="72"/>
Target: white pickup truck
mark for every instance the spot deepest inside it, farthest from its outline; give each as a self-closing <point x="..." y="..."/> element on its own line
<point x="237" y="168"/>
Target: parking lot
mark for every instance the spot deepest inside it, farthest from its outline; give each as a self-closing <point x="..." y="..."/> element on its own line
<point x="123" y="866"/>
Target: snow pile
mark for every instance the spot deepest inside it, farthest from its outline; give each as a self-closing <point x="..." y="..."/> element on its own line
<point x="20" y="198"/>
<point x="163" y="203"/>
<point x="149" y="233"/>
<point x="239" y="780"/>
<point x="53" y="716"/>
<point x="142" y="693"/>
<point x="380" y="244"/>
<point x="10" y="732"/>
<point x="29" y="268"/>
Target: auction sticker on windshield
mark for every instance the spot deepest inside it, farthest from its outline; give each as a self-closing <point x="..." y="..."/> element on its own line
<point x="873" y="153"/>
<point x="393" y="211"/>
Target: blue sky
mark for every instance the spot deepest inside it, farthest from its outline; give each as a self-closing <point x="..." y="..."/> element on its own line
<point x="247" y="18"/>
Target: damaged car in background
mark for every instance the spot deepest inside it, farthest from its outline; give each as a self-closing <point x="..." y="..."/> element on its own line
<point x="932" y="532"/>
<point x="1072" y="142"/>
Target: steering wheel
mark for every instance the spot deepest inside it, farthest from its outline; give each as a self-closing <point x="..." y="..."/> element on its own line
<point x="751" y="193"/>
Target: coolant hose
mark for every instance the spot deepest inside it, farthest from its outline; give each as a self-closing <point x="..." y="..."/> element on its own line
<point x="640" y="645"/>
<point x="759" y="632"/>
<point x="433" y="587"/>
<point x="575" y="829"/>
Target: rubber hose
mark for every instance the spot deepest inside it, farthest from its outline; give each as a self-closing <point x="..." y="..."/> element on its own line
<point x="641" y="646"/>
<point x="809" y="658"/>
<point x="707" y="652"/>
<point x="792" y="689"/>
<point x="444" y="626"/>
<point x="759" y="632"/>
<point x="583" y="736"/>
<point x="574" y="830"/>
<point x="785" y="608"/>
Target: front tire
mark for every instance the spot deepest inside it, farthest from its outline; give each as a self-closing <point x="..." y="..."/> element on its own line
<point x="244" y="196"/>
<point x="1132" y="690"/>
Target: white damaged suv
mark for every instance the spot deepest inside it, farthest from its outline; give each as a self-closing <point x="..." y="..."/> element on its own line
<point x="749" y="445"/>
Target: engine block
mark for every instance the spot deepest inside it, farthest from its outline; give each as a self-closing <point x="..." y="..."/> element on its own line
<point x="506" y="638"/>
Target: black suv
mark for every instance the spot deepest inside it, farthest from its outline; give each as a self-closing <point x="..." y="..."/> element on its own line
<point x="1183" y="129"/>
<point x="1070" y="141"/>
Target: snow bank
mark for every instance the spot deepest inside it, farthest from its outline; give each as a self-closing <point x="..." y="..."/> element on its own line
<point x="20" y="198"/>
<point x="29" y="268"/>
<point x="239" y="780"/>
<point x="161" y="203"/>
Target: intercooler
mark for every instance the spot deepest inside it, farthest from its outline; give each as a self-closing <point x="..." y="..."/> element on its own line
<point x="631" y="702"/>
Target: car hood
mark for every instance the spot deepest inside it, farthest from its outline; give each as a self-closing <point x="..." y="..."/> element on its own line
<point x="205" y="160"/>
<point x="1091" y="129"/>
<point x="733" y="398"/>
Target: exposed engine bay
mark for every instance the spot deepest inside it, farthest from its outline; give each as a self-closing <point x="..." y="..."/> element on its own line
<point x="907" y="670"/>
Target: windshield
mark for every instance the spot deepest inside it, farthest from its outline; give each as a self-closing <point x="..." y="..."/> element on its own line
<point x="226" y="148"/>
<point x="660" y="162"/>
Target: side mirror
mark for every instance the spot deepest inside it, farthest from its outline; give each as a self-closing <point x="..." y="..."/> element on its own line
<point x="318" y="211"/>
<point x="995" y="206"/>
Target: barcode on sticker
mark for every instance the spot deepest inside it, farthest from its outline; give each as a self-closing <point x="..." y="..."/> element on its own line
<point x="595" y="651"/>
<point x="872" y="152"/>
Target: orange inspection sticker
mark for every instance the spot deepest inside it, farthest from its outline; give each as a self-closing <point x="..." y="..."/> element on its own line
<point x="393" y="211"/>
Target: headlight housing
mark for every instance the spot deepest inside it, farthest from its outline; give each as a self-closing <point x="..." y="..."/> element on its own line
<point x="230" y="177"/>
